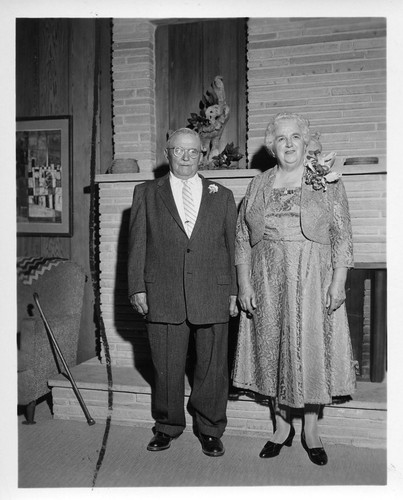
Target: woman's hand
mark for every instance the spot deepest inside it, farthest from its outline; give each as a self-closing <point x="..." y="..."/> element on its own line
<point x="246" y="294"/>
<point x="247" y="299"/>
<point x="336" y="295"/>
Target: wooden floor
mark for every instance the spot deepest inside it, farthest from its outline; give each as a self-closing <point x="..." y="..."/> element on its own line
<point x="57" y="453"/>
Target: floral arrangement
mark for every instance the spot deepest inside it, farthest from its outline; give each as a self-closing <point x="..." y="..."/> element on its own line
<point x="198" y="121"/>
<point x="213" y="188"/>
<point x="226" y="157"/>
<point x="209" y="123"/>
<point x="318" y="169"/>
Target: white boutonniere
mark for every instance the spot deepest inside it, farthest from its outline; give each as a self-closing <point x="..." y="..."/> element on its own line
<point x="213" y="188"/>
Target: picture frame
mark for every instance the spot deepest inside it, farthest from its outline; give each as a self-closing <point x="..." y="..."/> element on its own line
<point x="43" y="176"/>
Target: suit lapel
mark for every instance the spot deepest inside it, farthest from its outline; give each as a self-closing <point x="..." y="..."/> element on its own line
<point x="165" y="191"/>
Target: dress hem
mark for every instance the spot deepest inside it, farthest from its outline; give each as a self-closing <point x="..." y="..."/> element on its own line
<point x="338" y="398"/>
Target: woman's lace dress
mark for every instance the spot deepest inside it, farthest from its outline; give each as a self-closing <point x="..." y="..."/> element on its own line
<point x="291" y="348"/>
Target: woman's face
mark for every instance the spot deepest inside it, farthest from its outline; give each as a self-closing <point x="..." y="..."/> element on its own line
<point x="289" y="145"/>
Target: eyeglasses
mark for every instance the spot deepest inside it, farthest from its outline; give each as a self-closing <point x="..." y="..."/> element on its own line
<point x="179" y="152"/>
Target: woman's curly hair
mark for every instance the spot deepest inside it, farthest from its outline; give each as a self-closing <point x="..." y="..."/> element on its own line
<point x="303" y="124"/>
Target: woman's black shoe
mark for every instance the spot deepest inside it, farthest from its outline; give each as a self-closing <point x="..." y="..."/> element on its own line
<point x="271" y="449"/>
<point x="316" y="455"/>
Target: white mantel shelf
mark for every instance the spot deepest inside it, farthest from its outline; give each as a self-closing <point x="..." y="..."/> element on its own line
<point x="238" y="173"/>
<point x="209" y="174"/>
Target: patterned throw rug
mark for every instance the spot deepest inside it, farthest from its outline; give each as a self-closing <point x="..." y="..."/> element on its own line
<point x="30" y="268"/>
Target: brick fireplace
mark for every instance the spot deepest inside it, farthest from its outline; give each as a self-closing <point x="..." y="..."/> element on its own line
<point x="124" y="328"/>
<point x="134" y="115"/>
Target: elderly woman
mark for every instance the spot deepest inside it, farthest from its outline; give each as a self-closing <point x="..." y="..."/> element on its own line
<point x="293" y="250"/>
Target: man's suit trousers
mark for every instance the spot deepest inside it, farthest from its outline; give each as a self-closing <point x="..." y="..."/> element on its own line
<point x="209" y="393"/>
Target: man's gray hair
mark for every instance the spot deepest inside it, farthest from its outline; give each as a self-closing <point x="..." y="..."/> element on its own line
<point x="180" y="131"/>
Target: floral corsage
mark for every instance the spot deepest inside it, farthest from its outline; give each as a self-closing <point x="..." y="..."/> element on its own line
<point x="213" y="188"/>
<point x="318" y="167"/>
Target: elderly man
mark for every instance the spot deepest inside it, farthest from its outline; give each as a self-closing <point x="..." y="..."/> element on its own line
<point x="182" y="279"/>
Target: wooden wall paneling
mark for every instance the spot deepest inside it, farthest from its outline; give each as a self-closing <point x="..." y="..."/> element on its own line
<point x="55" y="76"/>
<point x="54" y="67"/>
<point x="27" y="99"/>
<point x="29" y="246"/>
<point x="188" y="57"/>
<point x="54" y="97"/>
<point x="185" y="72"/>
<point x="81" y="104"/>
<point x="221" y="56"/>
<point x="105" y="143"/>
<point x="242" y="92"/>
<point x="27" y="78"/>
<point x="53" y="246"/>
<point x="162" y="89"/>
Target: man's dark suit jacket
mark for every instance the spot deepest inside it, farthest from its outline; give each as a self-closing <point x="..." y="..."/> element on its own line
<point x="183" y="278"/>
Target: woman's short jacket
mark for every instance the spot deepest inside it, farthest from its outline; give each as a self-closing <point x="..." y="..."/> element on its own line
<point x="324" y="218"/>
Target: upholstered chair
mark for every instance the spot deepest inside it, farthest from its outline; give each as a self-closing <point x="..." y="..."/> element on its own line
<point x="59" y="284"/>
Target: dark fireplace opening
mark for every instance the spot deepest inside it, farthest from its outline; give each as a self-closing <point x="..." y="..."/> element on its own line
<point x="366" y="310"/>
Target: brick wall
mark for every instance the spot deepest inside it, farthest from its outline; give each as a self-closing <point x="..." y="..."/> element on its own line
<point x="124" y="328"/>
<point x="133" y="77"/>
<point x="367" y="202"/>
<point x="332" y="70"/>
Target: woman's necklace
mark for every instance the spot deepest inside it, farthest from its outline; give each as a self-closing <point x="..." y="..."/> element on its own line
<point x="287" y="190"/>
<point x="287" y="184"/>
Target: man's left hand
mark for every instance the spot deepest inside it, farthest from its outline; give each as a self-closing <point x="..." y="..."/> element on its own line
<point x="233" y="308"/>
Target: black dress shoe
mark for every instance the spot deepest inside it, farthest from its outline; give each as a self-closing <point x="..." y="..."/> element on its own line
<point x="316" y="455"/>
<point x="159" y="442"/>
<point x="211" y="446"/>
<point x="271" y="449"/>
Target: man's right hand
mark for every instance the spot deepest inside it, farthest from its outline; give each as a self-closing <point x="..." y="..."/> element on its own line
<point x="139" y="303"/>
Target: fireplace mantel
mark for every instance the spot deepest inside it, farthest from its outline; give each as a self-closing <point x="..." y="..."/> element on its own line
<point x="240" y="173"/>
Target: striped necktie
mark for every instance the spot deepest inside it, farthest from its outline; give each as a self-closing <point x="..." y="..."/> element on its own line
<point x="188" y="205"/>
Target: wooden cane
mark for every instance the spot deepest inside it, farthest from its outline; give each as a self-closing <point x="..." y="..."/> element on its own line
<point x="90" y="420"/>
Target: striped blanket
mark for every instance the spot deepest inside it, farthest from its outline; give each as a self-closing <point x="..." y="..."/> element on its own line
<point x="30" y="268"/>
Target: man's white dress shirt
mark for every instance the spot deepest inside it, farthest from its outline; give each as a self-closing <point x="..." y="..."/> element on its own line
<point x="196" y="187"/>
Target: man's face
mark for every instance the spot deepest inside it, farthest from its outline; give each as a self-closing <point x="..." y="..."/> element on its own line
<point x="183" y="166"/>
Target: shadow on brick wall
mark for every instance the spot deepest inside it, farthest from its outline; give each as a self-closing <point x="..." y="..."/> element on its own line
<point x="262" y="160"/>
<point x="128" y="323"/>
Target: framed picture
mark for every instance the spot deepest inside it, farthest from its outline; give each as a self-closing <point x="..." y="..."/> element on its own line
<point x="43" y="169"/>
